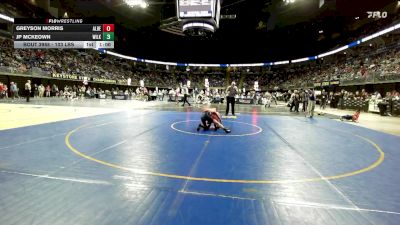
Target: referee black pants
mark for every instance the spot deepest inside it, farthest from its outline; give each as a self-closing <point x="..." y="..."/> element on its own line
<point x="28" y="95"/>
<point x="230" y="100"/>
<point x="185" y="100"/>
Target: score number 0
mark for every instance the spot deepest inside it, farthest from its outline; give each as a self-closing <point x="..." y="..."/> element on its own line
<point x="108" y="27"/>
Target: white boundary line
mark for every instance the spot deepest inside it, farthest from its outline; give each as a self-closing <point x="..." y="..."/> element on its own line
<point x="325" y="206"/>
<point x="72" y="179"/>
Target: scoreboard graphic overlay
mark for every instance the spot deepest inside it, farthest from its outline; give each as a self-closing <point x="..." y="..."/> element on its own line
<point x="63" y="33"/>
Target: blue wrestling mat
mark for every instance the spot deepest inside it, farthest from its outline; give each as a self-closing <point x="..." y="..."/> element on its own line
<point x="153" y="167"/>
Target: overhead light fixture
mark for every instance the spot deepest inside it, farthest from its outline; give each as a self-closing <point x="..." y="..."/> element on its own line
<point x="136" y="3"/>
<point x="357" y="18"/>
<point x="198" y="25"/>
<point x="144" y="5"/>
<point x="321" y="32"/>
<point x="7" y="18"/>
<point x="289" y="1"/>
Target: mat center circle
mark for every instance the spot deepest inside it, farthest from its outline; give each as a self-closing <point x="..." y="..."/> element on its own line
<point x="239" y="129"/>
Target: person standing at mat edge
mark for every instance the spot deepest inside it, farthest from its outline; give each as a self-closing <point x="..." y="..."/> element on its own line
<point x="311" y="103"/>
<point x="231" y="91"/>
<point x="28" y="90"/>
<point x="185" y="92"/>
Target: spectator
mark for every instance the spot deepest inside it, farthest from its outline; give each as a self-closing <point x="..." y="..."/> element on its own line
<point x="28" y="90"/>
<point x="311" y="103"/>
<point x="5" y="89"/>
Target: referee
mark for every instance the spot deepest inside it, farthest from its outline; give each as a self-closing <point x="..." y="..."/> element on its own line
<point x="28" y="90"/>
<point x="231" y="91"/>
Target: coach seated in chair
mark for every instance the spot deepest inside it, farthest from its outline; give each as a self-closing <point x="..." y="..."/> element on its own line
<point x="153" y="95"/>
<point x="172" y="95"/>
<point x="216" y="98"/>
<point x="383" y="108"/>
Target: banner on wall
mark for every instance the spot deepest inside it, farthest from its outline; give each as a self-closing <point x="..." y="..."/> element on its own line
<point x="103" y="80"/>
<point x="317" y="84"/>
<point x="124" y="82"/>
<point x="206" y="84"/>
<point x="335" y="82"/>
<point x="325" y="83"/>
<point x="66" y="76"/>
<point x="85" y="80"/>
<point x="256" y="85"/>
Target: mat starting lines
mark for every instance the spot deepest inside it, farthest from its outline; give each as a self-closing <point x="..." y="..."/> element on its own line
<point x="229" y="117"/>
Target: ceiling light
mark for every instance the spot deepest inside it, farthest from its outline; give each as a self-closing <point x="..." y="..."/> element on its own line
<point x="357" y="18"/>
<point x="289" y="1"/>
<point x="6" y="18"/>
<point x="321" y="31"/>
<point x="143" y="5"/>
<point x="135" y="3"/>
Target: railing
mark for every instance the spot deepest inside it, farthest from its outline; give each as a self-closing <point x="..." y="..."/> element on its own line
<point x="39" y="72"/>
<point x="358" y="80"/>
<point x="372" y="78"/>
<point x="31" y="72"/>
<point x="390" y="77"/>
<point x="393" y="106"/>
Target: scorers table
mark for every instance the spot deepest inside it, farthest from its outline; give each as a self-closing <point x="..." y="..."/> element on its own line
<point x="63" y="33"/>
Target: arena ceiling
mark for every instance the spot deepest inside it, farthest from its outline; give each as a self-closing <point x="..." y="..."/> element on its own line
<point x="264" y="30"/>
